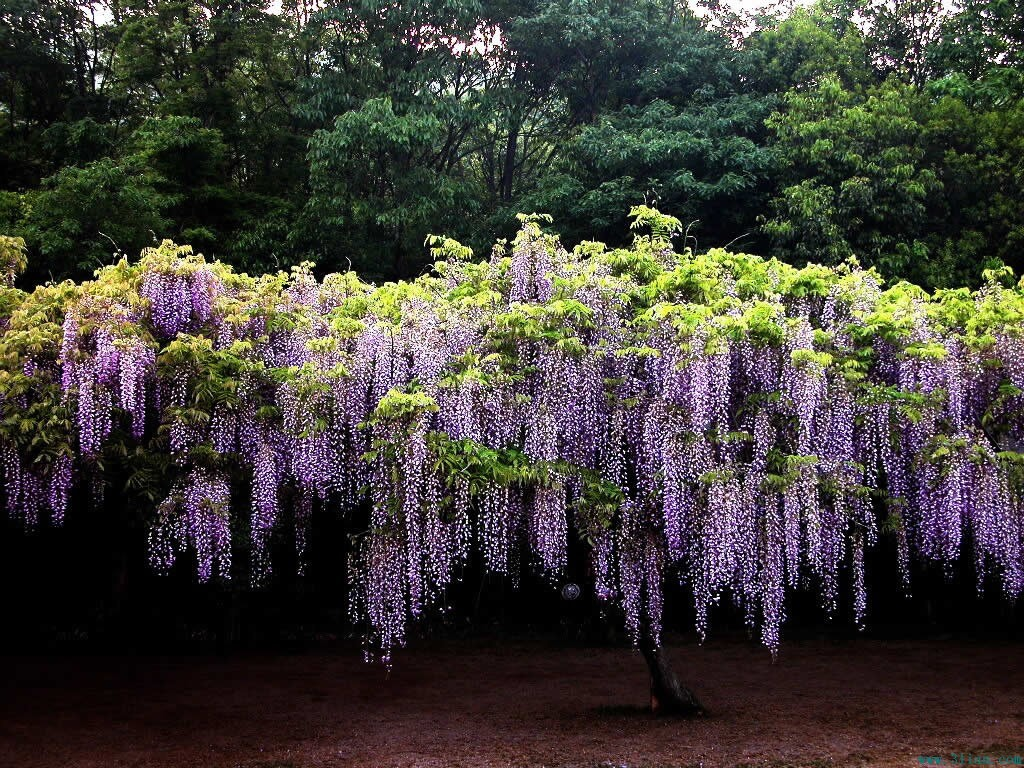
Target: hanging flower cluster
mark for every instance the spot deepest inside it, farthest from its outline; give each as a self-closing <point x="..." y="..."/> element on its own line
<point x="739" y="425"/>
<point x="195" y="515"/>
<point x="106" y="363"/>
<point x="181" y="292"/>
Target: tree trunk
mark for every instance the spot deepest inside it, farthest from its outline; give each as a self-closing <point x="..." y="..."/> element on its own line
<point x="508" y="168"/>
<point x="668" y="695"/>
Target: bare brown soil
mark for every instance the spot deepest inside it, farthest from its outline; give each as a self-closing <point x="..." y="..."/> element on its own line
<point x="857" y="703"/>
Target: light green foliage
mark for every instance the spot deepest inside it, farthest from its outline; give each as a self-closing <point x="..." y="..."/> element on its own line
<point x="169" y="178"/>
<point x="899" y="179"/>
<point x="808" y="44"/>
<point x="900" y="34"/>
<point x="81" y="217"/>
<point x="376" y="179"/>
<point x="978" y="151"/>
<point x="704" y="162"/>
<point x="12" y="258"/>
<point x="32" y="325"/>
<point x="860" y="188"/>
<point x="980" y="39"/>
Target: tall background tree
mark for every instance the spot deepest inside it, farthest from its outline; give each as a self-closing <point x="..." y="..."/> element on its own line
<point x="345" y="133"/>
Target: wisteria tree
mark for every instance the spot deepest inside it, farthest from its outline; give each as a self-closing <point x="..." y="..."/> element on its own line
<point x="738" y="425"/>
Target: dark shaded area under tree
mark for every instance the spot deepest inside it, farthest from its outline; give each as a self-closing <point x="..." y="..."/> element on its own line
<point x="854" y="702"/>
<point x="88" y="587"/>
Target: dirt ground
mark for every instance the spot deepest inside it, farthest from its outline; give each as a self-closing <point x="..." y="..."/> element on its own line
<point x="854" y="703"/>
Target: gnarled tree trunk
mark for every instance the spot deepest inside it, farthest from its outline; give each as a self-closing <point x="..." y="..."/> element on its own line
<point x="668" y="695"/>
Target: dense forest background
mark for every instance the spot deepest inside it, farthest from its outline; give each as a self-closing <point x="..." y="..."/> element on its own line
<point x="345" y="133"/>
